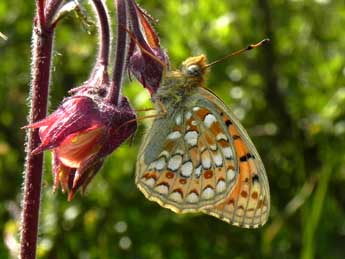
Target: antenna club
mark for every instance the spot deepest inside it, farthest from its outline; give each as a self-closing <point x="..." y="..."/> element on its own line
<point x="266" y="41"/>
<point x="251" y="46"/>
<point x="263" y="42"/>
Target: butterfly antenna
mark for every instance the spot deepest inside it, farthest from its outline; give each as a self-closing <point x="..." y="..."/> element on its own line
<point x="251" y="46"/>
<point x="3" y="36"/>
<point x="131" y="34"/>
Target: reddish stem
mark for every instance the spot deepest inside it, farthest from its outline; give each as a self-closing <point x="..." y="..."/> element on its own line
<point x="114" y="94"/>
<point x="103" y="23"/>
<point x="43" y="42"/>
<point x="43" y="34"/>
<point x="51" y="7"/>
<point x="40" y="11"/>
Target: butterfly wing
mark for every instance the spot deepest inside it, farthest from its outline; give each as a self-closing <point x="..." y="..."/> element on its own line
<point x="248" y="203"/>
<point x="186" y="162"/>
<point x="199" y="158"/>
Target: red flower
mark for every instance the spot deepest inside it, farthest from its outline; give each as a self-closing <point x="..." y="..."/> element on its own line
<point x="81" y="133"/>
<point x="147" y="60"/>
<point x="146" y="69"/>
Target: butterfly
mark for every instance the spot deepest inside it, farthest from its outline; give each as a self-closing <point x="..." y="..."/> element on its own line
<point x="197" y="157"/>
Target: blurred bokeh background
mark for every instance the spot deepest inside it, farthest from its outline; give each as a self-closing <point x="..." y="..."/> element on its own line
<point x="290" y="96"/>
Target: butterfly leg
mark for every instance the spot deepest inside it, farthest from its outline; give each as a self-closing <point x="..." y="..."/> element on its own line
<point x="145" y="109"/>
<point x="143" y="118"/>
<point x="162" y="107"/>
<point x="158" y="115"/>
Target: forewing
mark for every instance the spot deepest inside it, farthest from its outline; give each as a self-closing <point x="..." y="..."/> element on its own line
<point x="248" y="202"/>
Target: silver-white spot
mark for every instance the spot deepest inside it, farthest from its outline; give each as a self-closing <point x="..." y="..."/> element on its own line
<point x="178" y="119"/>
<point x="205" y="160"/>
<point x="175" y="162"/>
<point x="179" y="151"/>
<point x="230" y="174"/>
<point x="217" y="159"/>
<point x="160" y="164"/>
<point x="174" y="135"/>
<point x="208" y="193"/>
<point x="196" y="108"/>
<point x="176" y="196"/>
<point x="194" y="123"/>
<point x="162" y="189"/>
<point x="187" y="169"/>
<point x="209" y="120"/>
<point x="220" y="187"/>
<point x="221" y="136"/>
<point x="191" y="138"/>
<point x="164" y="153"/>
<point x="150" y="182"/>
<point x="197" y="171"/>
<point x="188" y="115"/>
<point x="192" y="197"/>
<point x="227" y="152"/>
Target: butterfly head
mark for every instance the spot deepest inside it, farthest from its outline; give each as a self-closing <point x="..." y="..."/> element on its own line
<point x="193" y="70"/>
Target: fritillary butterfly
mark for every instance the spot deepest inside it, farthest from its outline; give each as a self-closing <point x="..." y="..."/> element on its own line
<point x="198" y="157"/>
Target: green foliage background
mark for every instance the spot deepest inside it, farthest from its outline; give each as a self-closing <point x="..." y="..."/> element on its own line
<point x="289" y="95"/>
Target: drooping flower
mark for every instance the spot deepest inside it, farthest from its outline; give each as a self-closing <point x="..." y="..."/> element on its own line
<point x="147" y="60"/>
<point x="147" y="70"/>
<point x="83" y="130"/>
<point x="81" y="133"/>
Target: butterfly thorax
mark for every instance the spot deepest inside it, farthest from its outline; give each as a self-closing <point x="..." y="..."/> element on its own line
<point x="178" y="85"/>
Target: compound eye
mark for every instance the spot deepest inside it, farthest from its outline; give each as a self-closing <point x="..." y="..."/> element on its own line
<point x="194" y="70"/>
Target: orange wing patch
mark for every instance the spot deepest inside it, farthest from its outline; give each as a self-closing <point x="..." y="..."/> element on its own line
<point x="247" y="204"/>
<point x="196" y="167"/>
<point x="206" y="165"/>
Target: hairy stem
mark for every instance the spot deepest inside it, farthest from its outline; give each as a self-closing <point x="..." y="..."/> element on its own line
<point x="40" y="11"/>
<point x="51" y="9"/>
<point x="114" y="94"/>
<point x="42" y="38"/>
<point x="104" y="32"/>
<point x="42" y="48"/>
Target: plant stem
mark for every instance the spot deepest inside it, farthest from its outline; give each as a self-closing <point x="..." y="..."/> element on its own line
<point x="51" y="7"/>
<point x="114" y="94"/>
<point x="42" y="48"/>
<point x="42" y="38"/>
<point x="40" y="11"/>
<point x="104" y="32"/>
